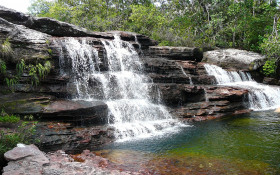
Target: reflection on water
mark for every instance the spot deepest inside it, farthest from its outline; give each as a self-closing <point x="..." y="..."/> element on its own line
<point x="247" y="144"/>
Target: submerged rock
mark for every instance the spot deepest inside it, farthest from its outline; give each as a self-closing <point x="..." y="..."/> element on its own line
<point x="235" y="59"/>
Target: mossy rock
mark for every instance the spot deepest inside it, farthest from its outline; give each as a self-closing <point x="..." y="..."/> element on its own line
<point x="24" y="103"/>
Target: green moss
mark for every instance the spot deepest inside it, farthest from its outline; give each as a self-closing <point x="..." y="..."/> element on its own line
<point x="50" y="51"/>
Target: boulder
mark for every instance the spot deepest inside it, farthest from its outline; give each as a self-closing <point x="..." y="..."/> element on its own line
<point x="177" y="53"/>
<point x="235" y="59"/>
<point x="25" y="159"/>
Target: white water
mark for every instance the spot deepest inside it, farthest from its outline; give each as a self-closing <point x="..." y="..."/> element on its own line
<point x="260" y="97"/>
<point x="133" y="111"/>
<point x="183" y="71"/>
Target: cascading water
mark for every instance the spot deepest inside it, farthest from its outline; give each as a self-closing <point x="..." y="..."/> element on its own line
<point x="182" y="69"/>
<point x="260" y="97"/>
<point x="133" y="100"/>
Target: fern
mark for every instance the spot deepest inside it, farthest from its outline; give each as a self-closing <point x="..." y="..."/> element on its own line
<point x="38" y="72"/>
<point x="20" y="67"/>
<point x="6" y="49"/>
<point x="3" y="67"/>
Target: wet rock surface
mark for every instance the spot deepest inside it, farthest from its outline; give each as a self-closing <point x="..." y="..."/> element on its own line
<point x="186" y="87"/>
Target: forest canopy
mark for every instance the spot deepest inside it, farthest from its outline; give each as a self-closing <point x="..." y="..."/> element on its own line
<point x="244" y="24"/>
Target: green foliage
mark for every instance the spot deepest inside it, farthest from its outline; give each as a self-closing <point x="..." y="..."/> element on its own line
<point x="269" y="68"/>
<point x="36" y="72"/>
<point x="6" y="49"/>
<point x="22" y="134"/>
<point x="146" y="19"/>
<point x="5" y="118"/>
<point x="174" y="22"/>
<point x="3" y="67"/>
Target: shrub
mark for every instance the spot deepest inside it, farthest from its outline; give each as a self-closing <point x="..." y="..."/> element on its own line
<point x="23" y="132"/>
<point x="9" y="119"/>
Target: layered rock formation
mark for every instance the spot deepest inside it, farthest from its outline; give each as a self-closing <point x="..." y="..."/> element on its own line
<point x="178" y="73"/>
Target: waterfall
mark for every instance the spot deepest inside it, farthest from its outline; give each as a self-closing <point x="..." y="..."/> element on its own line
<point x="260" y="97"/>
<point x="135" y="108"/>
<point x="182" y="69"/>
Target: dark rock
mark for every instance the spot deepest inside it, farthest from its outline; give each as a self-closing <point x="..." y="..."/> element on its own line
<point x="207" y="102"/>
<point x="61" y="29"/>
<point x="48" y="25"/>
<point x="180" y="94"/>
<point x="177" y="53"/>
<point x="25" y="103"/>
<point x="49" y="108"/>
<point x="235" y="59"/>
<point x="271" y="81"/>
<point x="14" y="16"/>
<point x="91" y="112"/>
<point x="72" y="139"/>
<point x="26" y="43"/>
<point x="162" y="70"/>
<point x="143" y="40"/>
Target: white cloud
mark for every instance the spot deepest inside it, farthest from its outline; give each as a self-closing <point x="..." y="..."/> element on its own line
<point x="19" y="5"/>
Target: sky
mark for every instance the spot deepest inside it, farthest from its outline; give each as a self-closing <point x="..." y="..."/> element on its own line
<point x="19" y="5"/>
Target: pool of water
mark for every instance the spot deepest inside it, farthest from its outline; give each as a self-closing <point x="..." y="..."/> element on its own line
<point x="245" y="144"/>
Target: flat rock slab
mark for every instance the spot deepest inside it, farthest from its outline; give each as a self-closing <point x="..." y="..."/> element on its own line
<point x="177" y="53"/>
<point x="67" y="110"/>
<point x="61" y="106"/>
<point x="23" y="151"/>
<point x="48" y="25"/>
<point x="25" y="159"/>
<point x="48" y="107"/>
<point x="235" y="58"/>
<point x="25" y="103"/>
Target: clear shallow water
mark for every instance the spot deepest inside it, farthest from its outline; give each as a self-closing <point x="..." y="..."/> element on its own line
<point x="246" y="144"/>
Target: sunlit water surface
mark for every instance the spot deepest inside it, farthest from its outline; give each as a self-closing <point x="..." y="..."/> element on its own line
<point x="246" y="144"/>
